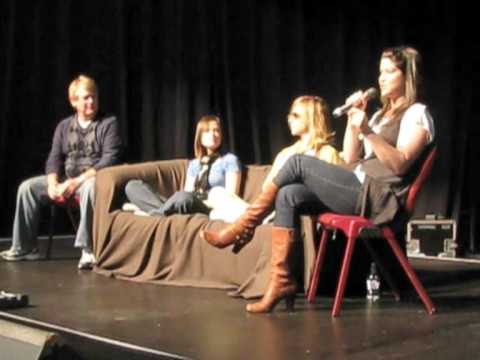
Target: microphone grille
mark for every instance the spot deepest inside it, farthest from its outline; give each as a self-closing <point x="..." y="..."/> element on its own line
<point x="371" y="93"/>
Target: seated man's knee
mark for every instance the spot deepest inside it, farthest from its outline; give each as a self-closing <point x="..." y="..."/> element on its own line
<point x="89" y="184"/>
<point x="89" y="188"/>
<point x="30" y="186"/>
<point x="25" y="186"/>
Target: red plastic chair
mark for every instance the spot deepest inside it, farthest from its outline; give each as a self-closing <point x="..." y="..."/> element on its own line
<point x="69" y="204"/>
<point x="352" y="227"/>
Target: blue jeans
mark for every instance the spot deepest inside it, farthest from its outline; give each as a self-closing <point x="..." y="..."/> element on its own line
<point x="148" y="200"/>
<point x="32" y="196"/>
<point x="309" y="186"/>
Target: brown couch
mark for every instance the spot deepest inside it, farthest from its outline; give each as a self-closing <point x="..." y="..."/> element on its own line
<point x="169" y="250"/>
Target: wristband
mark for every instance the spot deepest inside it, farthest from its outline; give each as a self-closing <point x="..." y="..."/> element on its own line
<point x="362" y="136"/>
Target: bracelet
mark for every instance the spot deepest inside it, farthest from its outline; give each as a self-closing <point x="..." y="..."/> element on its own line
<point x="362" y="136"/>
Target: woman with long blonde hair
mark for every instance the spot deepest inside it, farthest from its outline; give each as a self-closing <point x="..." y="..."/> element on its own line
<point x="309" y="122"/>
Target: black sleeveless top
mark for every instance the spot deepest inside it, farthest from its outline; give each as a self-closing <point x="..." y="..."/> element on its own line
<point x="383" y="193"/>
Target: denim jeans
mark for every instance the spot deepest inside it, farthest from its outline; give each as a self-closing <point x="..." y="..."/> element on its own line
<point x="148" y="200"/>
<point x="308" y="185"/>
<point x="32" y="196"/>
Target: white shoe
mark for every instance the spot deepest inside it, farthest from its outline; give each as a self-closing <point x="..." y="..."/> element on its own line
<point x="130" y="207"/>
<point x="18" y="255"/>
<point x="87" y="260"/>
<point x="140" y="213"/>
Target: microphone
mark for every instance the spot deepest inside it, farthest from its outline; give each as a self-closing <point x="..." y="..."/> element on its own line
<point x="369" y="94"/>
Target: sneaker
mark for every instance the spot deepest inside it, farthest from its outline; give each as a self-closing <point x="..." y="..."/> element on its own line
<point x="18" y="255"/>
<point x="140" y="213"/>
<point x="87" y="260"/>
<point x="130" y="207"/>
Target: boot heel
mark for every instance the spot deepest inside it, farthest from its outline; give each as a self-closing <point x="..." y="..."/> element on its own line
<point x="290" y="303"/>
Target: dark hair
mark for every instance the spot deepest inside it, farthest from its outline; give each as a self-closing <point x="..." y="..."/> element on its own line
<point x="408" y="60"/>
<point x="202" y="125"/>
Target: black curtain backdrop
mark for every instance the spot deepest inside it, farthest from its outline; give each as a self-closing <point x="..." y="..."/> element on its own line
<point x="160" y="65"/>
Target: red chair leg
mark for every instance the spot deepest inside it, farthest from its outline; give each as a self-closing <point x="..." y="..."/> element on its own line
<point x="312" y="291"/>
<point x="342" y="282"/>
<point x="422" y="293"/>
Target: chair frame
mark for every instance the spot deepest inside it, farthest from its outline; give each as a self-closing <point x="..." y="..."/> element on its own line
<point x="357" y="226"/>
<point x="69" y="205"/>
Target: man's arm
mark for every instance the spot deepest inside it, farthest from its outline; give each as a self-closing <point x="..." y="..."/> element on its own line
<point x="55" y="161"/>
<point x="56" y="157"/>
<point x="110" y="143"/>
<point x="52" y="183"/>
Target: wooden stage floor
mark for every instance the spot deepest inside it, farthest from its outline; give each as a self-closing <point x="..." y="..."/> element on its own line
<point x="101" y="318"/>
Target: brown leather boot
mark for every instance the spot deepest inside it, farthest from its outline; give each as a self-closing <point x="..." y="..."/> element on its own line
<point x="281" y="285"/>
<point x="241" y="232"/>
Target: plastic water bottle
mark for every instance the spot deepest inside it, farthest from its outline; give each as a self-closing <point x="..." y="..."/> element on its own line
<point x="373" y="284"/>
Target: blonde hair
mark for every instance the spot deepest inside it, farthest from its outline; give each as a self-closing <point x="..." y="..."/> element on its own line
<point x="408" y="60"/>
<point x="202" y="126"/>
<point x="81" y="81"/>
<point x="317" y="115"/>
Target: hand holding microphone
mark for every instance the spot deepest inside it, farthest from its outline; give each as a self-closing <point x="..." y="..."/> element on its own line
<point x="353" y="100"/>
